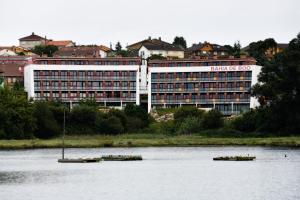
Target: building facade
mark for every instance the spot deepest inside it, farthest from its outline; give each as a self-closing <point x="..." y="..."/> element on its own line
<point x="220" y="84"/>
<point x="29" y="42"/>
<point x="109" y="85"/>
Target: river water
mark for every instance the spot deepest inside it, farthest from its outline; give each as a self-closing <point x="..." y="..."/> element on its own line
<point x="164" y="174"/>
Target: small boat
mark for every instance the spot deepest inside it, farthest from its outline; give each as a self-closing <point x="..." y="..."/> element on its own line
<point x="79" y="160"/>
<point x="235" y="158"/>
<point x="121" y="158"/>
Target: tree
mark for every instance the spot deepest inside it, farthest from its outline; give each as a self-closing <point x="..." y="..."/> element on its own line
<point x="279" y="90"/>
<point x="48" y="50"/>
<point x="180" y="42"/>
<point x="47" y="126"/>
<point x="156" y="57"/>
<point x="16" y="115"/>
<point x="258" y="50"/>
<point x="212" y="119"/>
<point x="236" y="49"/>
<point x="137" y="114"/>
<point x="118" y="47"/>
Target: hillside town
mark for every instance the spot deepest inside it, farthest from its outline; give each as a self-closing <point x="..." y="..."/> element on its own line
<point x="151" y="72"/>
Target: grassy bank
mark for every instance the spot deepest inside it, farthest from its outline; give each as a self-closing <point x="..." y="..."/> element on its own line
<point x="146" y="140"/>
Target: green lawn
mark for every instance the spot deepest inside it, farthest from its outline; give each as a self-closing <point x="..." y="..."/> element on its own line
<point x="146" y="140"/>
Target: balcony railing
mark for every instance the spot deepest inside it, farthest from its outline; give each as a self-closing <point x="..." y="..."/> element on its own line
<point x="58" y="88"/>
<point x="86" y="78"/>
<point x="200" y="79"/>
<point x="200" y="101"/>
<point x="197" y="90"/>
<point x="97" y="99"/>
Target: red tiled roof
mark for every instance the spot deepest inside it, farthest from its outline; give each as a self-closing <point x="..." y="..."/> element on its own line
<point x="104" y="48"/>
<point x="32" y="37"/>
<point x="14" y="70"/>
<point x="60" y="43"/>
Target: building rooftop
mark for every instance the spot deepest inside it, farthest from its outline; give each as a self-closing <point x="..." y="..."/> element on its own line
<point x="216" y="47"/>
<point x="14" y="70"/>
<point x="32" y="37"/>
<point x="154" y="44"/>
<point x="81" y="51"/>
<point x="59" y="43"/>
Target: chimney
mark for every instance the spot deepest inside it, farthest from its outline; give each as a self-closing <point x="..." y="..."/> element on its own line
<point x="32" y="33"/>
<point x="149" y="38"/>
<point x="159" y="38"/>
<point x="110" y="45"/>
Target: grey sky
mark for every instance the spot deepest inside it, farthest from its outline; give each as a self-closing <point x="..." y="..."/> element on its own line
<point x="128" y="21"/>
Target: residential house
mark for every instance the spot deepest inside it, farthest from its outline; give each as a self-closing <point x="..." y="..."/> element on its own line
<point x="206" y="49"/>
<point x="149" y="47"/>
<point x="32" y="40"/>
<point x="275" y="50"/>
<point x="83" y="51"/>
<point x="61" y="43"/>
<point x="11" y="73"/>
<point x="7" y="51"/>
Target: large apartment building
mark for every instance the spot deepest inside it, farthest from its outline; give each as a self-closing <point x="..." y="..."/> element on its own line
<point x="111" y="82"/>
<point x="221" y="84"/>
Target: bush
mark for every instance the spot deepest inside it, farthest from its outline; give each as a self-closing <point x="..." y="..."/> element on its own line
<point x="247" y="122"/>
<point x="112" y="125"/>
<point x="83" y="120"/>
<point x="190" y="125"/>
<point x="138" y="112"/>
<point x="212" y="119"/>
<point x="185" y="112"/>
<point x="47" y="126"/>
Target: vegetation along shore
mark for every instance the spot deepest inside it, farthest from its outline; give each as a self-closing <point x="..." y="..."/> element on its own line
<point x="147" y="140"/>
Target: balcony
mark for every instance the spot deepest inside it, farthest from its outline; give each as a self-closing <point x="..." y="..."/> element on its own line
<point x="200" y="101"/>
<point x="215" y="79"/>
<point x="97" y="99"/>
<point x="70" y="88"/>
<point x="199" y="90"/>
<point x="86" y="78"/>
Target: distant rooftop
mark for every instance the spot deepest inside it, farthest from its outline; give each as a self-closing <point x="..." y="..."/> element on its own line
<point x="32" y="37"/>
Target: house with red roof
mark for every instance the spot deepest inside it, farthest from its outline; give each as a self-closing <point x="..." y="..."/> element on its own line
<point x="32" y="40"/>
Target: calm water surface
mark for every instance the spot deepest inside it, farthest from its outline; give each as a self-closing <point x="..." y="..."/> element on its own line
<point x="166" y="173"/>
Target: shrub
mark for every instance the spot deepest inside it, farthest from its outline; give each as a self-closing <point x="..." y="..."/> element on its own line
<point x="190" y="125"/>
<point x="47" y="126"/>
<point x="113" y="126"/>
<point x="247" y="122"/>
<point x="83" y="120"/>
<point x="212" y="119"/>
<point x="185" y="112"/>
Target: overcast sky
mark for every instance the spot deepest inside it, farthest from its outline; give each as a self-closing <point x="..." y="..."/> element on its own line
<point x="128" y="21"/>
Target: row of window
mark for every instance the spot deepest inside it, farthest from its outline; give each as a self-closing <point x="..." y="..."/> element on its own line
<point x="201" y="75"/>
<point x="86" y="94"/>
<point x="246" y="84"/>
<point x="201" y="96"/>
<point x="213" y="63"/>
<point x="84" y="62"/>
<point x="84" y="84"/>
<point x="84" y="73"/>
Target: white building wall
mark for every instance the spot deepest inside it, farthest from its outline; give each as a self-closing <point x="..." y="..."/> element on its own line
<point x="29" y="74"/>
<point x="145" y="53"/>
<point x="255" y="72"/>
<point x="254" y="68"/>
<point x="103" y="54"/>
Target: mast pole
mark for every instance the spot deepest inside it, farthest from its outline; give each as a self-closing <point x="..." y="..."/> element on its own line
<point x="64" y="132"/>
